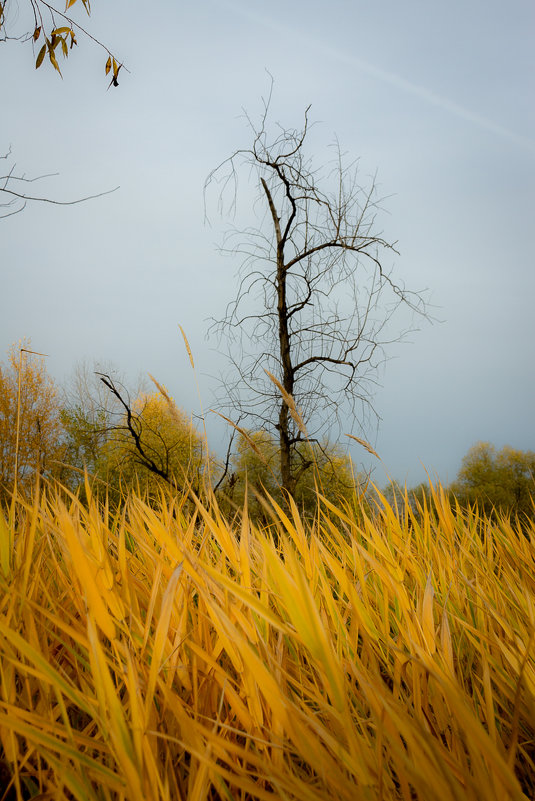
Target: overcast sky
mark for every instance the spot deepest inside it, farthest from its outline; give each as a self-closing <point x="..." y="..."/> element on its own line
<point x="437" y="98"/>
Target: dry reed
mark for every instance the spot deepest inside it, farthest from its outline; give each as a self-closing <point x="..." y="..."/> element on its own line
<point x="163" y="653"/>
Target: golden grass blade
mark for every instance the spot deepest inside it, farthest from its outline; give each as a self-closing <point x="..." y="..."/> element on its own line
<point x="41" y="668"/>
<point x="85" y="568"/>
<point x="52" y="745"/>
<point x="75" y="783"/>
<point x="428" y="620"/>
<point x="161" y="635"/>
<point x="6" y="545"/>
<point x="304" y="615"/>
<point x="113" y="713"/>
<point x="446" y="643"/>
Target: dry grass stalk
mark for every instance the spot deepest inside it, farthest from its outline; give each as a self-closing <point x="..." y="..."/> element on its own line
<point x="190" y="354"/>
<point x="298" y="420"/>
<point x="364" y="445"/>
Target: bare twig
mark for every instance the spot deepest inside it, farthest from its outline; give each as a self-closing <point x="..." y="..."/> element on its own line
<point x="6" y="182"/>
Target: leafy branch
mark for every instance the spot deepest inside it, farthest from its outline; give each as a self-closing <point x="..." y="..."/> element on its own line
<point x="58" y="33"/>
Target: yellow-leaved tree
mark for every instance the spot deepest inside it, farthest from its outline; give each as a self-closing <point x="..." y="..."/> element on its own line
<point x="30" y="425"/>
<point x="154" y="442"/>
<point x="321" y="468"/>
<point x="495" y="480"/>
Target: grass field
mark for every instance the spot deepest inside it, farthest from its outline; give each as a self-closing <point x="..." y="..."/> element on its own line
<point x="164" y="652"/>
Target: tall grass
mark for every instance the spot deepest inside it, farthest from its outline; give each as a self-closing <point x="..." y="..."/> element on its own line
<point x="170" y="653"/>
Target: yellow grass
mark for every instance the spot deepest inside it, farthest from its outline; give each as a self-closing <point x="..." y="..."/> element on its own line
<point x="168" y="653"/>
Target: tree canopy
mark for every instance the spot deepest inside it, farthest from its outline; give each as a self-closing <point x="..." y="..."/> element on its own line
<point x="256" y="469"/>
<point x="30" y="422"/>
<point x="152" y="442"/>
<point x="497" y="479"/>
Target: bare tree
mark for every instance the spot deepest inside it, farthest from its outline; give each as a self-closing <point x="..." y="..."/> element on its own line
<point x="315" y="302"/>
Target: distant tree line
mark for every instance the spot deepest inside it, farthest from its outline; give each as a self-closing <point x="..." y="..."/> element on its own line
<point x="94" y="428"/>
<point x="493" y="481"/>
<point x="121" y="442"/>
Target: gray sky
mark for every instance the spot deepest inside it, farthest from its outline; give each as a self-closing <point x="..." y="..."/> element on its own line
<point x="438" y="98"/>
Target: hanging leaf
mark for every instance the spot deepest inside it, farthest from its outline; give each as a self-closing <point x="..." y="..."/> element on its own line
<point x="116" y="68"/>
<point x="108" y="65"/>
<point x="40" y="57"/>
<point x="70" y="3"/>
<point x="37" y="33"/>
<point x="53" y="61"/>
